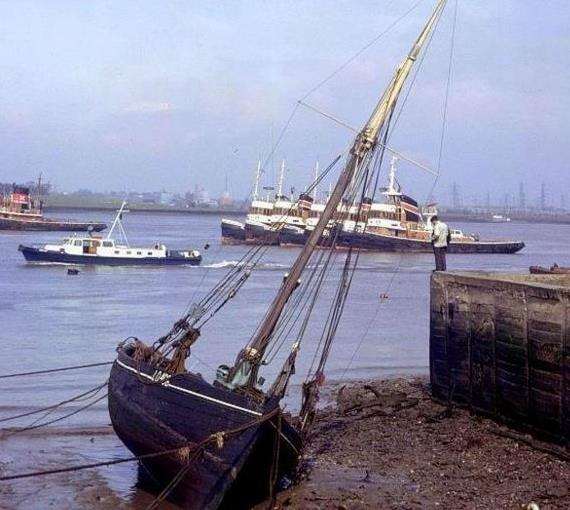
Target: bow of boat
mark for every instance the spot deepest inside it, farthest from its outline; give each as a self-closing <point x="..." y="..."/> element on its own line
<point x="223" y="440"/>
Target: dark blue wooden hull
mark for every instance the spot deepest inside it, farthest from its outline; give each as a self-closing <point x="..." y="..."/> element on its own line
<point x="32" y="254"/>
<point x="151" y="416"/>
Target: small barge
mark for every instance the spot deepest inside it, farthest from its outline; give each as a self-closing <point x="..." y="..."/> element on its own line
<point x="19" y="211"/>
<point x="554" y="269"/>
<point x="107" y="251"/>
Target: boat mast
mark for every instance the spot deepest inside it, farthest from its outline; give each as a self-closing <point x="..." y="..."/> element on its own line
<point x="250" y="358"/>
<point x="117" y="221"/>
<point x="39" y="193"/>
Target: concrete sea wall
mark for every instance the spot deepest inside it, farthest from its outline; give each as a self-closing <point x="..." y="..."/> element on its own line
<point x="500" y="344"/>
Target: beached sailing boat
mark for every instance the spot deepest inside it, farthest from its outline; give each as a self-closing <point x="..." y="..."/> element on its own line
<point x="221" y="442"/>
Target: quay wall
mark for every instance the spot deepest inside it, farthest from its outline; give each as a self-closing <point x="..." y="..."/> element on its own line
<point x="500" y="345"/>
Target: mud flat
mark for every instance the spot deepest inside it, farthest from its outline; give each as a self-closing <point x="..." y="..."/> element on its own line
<point x="387" y="444"/>
<point x="376" y="445"/>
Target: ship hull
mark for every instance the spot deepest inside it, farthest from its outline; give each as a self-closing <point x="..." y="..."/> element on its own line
<point x="32" y="254"/>
<point x="233" y="232"/>
<point x="258" y="233"/>
<point x="151" y="417"/>
<point x="383" y="243"/>
<point x="50" y="225"/>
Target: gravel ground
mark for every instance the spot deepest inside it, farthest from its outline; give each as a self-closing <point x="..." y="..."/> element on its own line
<point x="386" y="444"/>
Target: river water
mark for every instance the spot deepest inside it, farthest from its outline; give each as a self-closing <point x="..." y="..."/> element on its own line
<point x="50" y="319"/>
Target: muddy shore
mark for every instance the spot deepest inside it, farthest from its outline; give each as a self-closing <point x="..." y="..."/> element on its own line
<point x="377" y="444"/>
<point x="387" y="444"/>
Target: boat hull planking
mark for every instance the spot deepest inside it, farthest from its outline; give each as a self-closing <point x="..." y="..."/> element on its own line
<point x="150" y="417"/>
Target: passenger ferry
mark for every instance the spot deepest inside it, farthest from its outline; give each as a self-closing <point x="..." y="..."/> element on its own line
<point x="107" y="251"/>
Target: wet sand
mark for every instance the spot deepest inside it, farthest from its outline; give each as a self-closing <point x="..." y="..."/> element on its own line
<point x="102" y="488"/>
<point x="386" y="444"/>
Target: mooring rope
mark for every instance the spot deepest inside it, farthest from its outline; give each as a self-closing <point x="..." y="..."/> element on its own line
<point x="53" y="370"/>
<point x="212" y="437"/>
<point x="60" y="418"/>
<point x="95" y="389"/>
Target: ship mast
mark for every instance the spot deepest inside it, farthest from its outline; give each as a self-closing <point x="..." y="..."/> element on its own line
<point x="39" y="193"/>
<point x="118" y="221"/>
<point x="248" y="361"/>
<point x="280" y="183"/>
<point x="257" y="176"/>
<point x="392" y="177"/>
<point x="315" y="192"/>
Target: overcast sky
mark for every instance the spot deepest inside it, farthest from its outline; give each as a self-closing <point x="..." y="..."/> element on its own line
<point x="146" y="95"/>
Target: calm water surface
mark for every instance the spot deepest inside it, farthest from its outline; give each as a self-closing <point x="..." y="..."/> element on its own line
<point x="50" y="319"/>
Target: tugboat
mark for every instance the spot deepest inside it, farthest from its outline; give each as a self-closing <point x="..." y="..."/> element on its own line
<point x="396" y="223"/>
<point x="106" y="251"/>
<point x="19" y="211"/>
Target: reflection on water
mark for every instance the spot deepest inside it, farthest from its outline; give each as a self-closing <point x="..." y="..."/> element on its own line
<point x="50" y="319"/>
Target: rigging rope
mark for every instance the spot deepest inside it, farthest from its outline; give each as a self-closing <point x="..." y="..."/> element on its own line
<point x="76" y="411"/>
<point x="345" y="64"/>
<point x="363" y="49"/>
<point x="133" y="458"/>
<point x="226" y="288"/>
<point x="44" y="424"/>
<point x="54" y="406"/>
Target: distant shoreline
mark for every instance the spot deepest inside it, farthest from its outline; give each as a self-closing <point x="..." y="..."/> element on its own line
<point x="146" y="209"/>
<point x="558" y="219"/>
<point x="448" y="216"/>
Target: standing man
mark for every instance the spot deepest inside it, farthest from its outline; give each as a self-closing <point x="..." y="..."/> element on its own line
<point x="440" y="237"/>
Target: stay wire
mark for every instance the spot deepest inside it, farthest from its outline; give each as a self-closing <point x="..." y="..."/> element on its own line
<point x="360" y="182"/>
<point x="362" y="50"/>
<point x="446" y="102"/>
<point x="325" y="337"/>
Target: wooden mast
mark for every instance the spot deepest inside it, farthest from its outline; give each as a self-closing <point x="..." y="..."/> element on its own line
<point x="364" y="143"/>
